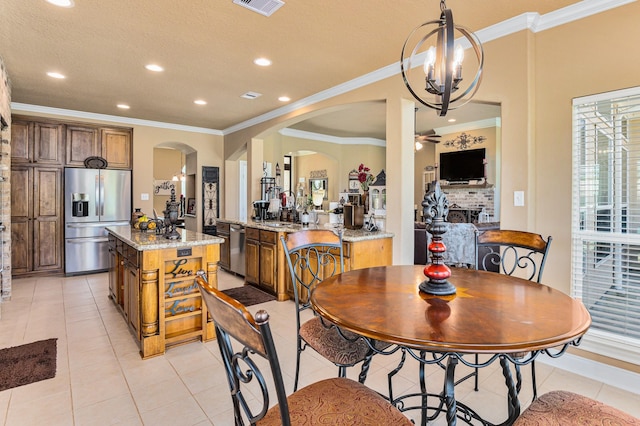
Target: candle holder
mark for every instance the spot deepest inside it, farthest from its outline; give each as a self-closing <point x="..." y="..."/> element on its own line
<point x="171" y="217"/>
<point x="436" y="208"/>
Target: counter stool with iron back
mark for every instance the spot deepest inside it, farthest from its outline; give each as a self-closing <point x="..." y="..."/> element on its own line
<point x="314" y="255"/>
<point x="518" y="253"/>
<point x="245" y="340"/>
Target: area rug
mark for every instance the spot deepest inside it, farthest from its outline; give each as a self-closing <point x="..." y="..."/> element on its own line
<point x="249" y="295"/>
<point x="24" y="364"/>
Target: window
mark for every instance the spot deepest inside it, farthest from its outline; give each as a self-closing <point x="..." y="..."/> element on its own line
<point x="606" y="220"/>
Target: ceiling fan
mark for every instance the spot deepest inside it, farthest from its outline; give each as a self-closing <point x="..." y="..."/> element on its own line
<point x="428" y="136"/>
<point x="419" y="138"/>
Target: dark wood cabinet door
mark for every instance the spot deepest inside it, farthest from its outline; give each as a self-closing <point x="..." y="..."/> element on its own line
<point x="252" y="262"/>
<point x="21" y="245"/>
<point x="81" y="142"/>
<point x="47" y="192"/>
<point x="21" y="141"/>
<point x="36" y="142"/>
<point x="48" y="143"/>
<point x="225" y="252"/>
<point x="36" y="199"/>
<point x="47" y="219"/>
<point x="21" y="193"/>
<point x="268" y="266"/>
<point x="116" y="148"/>
<point x="132" y="289"/>
<point x="47" y="250"/>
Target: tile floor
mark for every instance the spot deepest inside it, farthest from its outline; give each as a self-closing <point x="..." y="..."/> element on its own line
<point x="101" y="379"/>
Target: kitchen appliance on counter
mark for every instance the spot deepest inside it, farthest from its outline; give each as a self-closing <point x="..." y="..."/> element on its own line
<point x="353" y="216"/>
<point x="93" y="200"/>
<point x="260" y="209"/>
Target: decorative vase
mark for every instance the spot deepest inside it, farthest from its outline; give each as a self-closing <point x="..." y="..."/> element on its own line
<point x="365" y="201"/>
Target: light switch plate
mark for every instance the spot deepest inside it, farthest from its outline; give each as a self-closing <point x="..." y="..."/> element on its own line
<point x="518" y="198"/>
<point x="144" y="196"/>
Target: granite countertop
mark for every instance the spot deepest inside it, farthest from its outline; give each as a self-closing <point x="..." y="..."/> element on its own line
<point x="350" y="235"/>
<point x="151" y="241"/>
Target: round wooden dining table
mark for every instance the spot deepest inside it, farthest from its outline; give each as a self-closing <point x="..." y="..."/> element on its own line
<point x="490" y="313"/>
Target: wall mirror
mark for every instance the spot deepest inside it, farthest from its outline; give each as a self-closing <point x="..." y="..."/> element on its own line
<point x="319" y="183"/>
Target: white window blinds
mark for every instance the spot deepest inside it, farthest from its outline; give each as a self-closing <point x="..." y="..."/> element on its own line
<point x="606" y="219"/>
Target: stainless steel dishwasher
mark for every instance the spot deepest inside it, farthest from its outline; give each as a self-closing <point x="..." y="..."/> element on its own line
<point x="236" y="249"/>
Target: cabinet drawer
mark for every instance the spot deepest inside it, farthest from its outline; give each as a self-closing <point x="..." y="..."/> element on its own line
<point x="223" y="228"/>
<point x="132" y="256"/>
<point x="252" y="234"/>
<point x="268" y="237"/>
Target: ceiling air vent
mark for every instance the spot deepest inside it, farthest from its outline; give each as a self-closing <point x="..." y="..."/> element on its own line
<point x="251" y="95"/>
<point x="263" y="7"/>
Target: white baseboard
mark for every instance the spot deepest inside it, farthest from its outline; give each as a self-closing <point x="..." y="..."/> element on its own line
<point x="613" y="376"/>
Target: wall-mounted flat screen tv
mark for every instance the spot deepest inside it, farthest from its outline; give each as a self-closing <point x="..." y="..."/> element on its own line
<point x="460" y="166"/>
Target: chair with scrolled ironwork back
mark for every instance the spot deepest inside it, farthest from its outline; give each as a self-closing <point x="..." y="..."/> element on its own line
<point x="245" y="341"/>
<point x="314" y="255"/>
<point x="519" y="253"/>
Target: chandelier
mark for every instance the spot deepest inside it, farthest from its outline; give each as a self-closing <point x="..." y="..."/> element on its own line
<point x="441" y="64"/>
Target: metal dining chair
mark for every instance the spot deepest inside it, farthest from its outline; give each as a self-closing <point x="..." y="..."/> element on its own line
<point x="312" y="256"/>
<point x="245" y="341"/>
<point x="519" y="253"/>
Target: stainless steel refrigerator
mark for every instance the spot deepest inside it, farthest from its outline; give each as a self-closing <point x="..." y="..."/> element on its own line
<point x="93" y="200"/>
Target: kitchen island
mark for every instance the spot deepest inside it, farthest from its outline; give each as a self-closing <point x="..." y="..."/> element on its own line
<point x="151" y="281"/>
<point x="266" y="265"/>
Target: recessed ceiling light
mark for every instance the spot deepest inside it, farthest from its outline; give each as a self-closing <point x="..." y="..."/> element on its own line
<point x="123" y="106"/>
<point x="200" y="102"/>
<point x="284" y="99"/>
<point x="62" y="3"/>
<point x="154" y="68"/>
<point x="56" y="75"/>
<point x="451" y="120"/>
<point x="263" y="62"/>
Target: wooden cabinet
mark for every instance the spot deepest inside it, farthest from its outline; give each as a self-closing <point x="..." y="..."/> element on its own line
<point x="82" y="142"/>
<point x="223" y="231"/>
<point x="36" y="237"/>
<point x="269" y="261"/>
<point x="252" y="256"/>
<point x="36" y="142"/>
<point x="131" y="286"/>
<point x="114" y="145"/>
<point x="156" y="293"/>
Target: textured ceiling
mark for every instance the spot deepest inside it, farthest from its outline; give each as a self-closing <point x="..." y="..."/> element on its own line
<point x="207" y="48"/>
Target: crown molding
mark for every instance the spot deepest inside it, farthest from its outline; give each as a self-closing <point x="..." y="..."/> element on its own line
<point x="331" y="139"/>
<point x="576" y="11"/>
<point x="20" y="107"/>
<point x="531" y="21"/>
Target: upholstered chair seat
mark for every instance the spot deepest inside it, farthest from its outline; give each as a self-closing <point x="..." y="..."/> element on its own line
<point x="562" y="408"/>
<point x="328" y="342"/>
<point x="337" y="401"/>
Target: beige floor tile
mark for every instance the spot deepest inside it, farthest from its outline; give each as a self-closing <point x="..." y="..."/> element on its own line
<point x="149" y="398"/>
<point x="53" y="409"/>
<point x="101" y="378"/>
<point x="182" y="411"/>
<point x="118" y="410"/>
<point x="625" y="401"/>
<point x="5" y="397"/>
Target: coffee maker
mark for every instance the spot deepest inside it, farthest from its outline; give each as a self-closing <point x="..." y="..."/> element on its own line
<point x="260" y="209"/>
